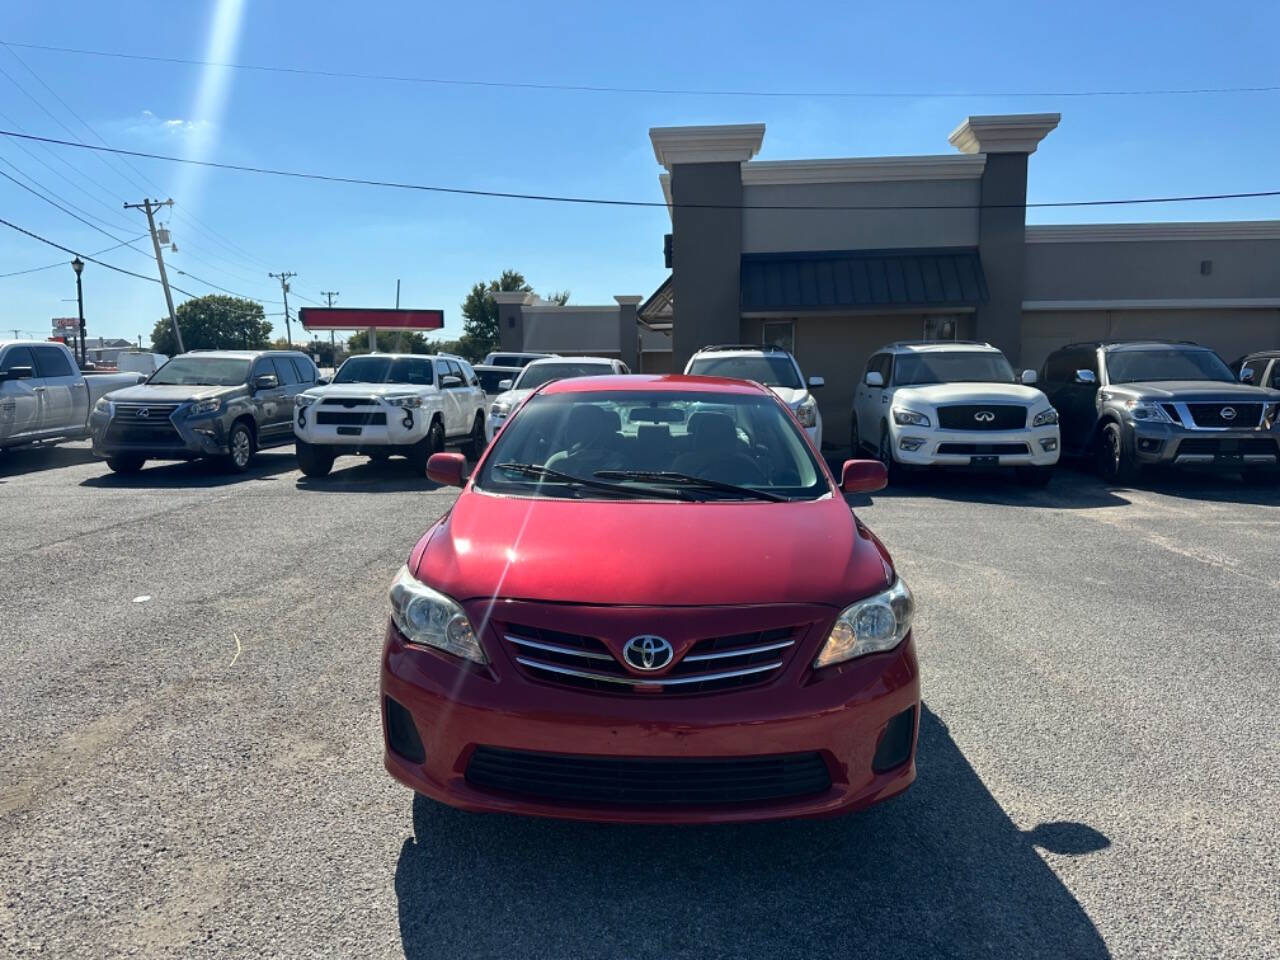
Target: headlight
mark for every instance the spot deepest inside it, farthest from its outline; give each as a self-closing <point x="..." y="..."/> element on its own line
<point x="104" y="406"/>
<point x="1270" y="416"/>
<point x="807" y="412"/>
<point x="413" y="401"/>
<point x="872" y="625"/>
<point x="204" y="406"/>
<point x="1045" y="418"/>
<point x="500" y="408"/>
<point x="430" y="618"/>
<point x="305" y="399"/>
<point x="1146" y="411"/>
<point x="909" y="418"/>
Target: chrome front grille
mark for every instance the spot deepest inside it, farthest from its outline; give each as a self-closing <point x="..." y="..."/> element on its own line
<point x="709" y="665"/>
<point x="144" y="411"/>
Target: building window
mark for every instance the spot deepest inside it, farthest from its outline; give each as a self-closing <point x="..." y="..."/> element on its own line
<point x="779" y="333"/>
<point x="940" y="328"/>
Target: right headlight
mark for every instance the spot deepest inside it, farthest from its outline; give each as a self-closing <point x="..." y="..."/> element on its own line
<point x="873" y="625"/>
<point x="909" y="418"/>
<point x="428" y="617"/>
<point x="305" y="399"/>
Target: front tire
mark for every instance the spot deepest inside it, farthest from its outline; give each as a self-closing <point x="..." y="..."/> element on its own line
<point x="125" y="463"/>
<point x="1035" y="476"/>
<point x="855" y="440"/>
<point x="885" y="455"/>
<point x="1115" y="460"/>
<point x="241" y="446"/>
<point x="433" y="442"/>
<point x="312" y="460"/>
<point x="477" y="443"/>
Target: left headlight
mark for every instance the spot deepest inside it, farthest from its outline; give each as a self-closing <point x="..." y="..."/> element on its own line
<point x="873" y="625"/>
<point x="428" y="617"/>
<point x="204" y="406"/>
<point x="412" y="400"/>
<point x="104" y="406"/>
<point x="909" y="418"/>
<point x="1045" y="418"/>
<point x="807" y="412"/>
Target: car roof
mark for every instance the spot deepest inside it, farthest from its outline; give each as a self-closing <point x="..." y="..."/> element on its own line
<point x="654" y="383"/>
<point x="239" y="354"/>
<point x="938" y="346"/>
<point x="403" y="356"/>
<point x="1123" y="345"/>
<point x="1262" y="355"/>
<point x="544" y="361"/>
<point x="742" y="349"/>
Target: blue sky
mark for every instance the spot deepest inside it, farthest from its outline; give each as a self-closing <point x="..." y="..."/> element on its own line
<point x="359" y="240"/>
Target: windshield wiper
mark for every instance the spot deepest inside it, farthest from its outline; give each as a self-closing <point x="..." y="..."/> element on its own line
<point x="687" y="480"/>
<point x="546" y="473"/>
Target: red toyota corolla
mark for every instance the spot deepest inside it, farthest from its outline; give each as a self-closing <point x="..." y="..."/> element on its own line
<point x="650" y="603"/>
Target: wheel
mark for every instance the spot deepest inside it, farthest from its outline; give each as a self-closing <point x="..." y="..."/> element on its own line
<point x="433" y="442"/>
<point x="1035" y="476"/>
<point x="380" y="456"/>
<point x="855" y="440"/>
<point x="313" y="461"/>
<point x="477" y="443"/>
<point x="1255" y="477"/>
<point x="125" y="463"/>
<point x="240" y="445"/>
<point x="885" y="455"/>
<point x="1115" y="460"/>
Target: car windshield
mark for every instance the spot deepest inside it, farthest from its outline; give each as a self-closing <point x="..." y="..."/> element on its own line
<point x="375" y="369"/>
<point x="191" y="371"/>
<point x="776" y="370"/>
<point x="1166" y="363"/>
<point x="917" y="369"/>
<point x="536" y="376"/>
<point x="698" y="445"/>
<point x="489" y="379"/>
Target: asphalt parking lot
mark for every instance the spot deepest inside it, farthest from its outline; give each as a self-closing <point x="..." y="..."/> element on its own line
<point x="191" y="751"/>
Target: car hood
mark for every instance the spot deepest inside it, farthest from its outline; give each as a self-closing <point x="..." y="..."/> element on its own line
<point x="944" y="393"/>
<point x="147" y="393"/>
<point x="791" y="396"/>
<point x="651" y="554"/>
<point x="1197" y="390"/>
<point x="338" y="391"/>
<point x="513" y="398"/>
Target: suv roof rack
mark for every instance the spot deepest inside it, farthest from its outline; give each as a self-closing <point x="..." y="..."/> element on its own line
<point x="1117" y="342"/>
<point x="931" y="343"/>
<point x="764" y="347"/>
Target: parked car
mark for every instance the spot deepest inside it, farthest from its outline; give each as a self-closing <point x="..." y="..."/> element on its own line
<point x="140" y="362"/>
<point x="953" y="404"/>
<point x="385" y="404"/>
<point x="491" y="376"/>
<point x="44" y="396"/>
<point x="594" y="634"/>
<point x="1132" y="404"/>
<point x="218" y="403"/>
<point x="1261" y="369"/>
<point x="543" y="371"/>
<point x="772" y="366"/>
<point x="507" y="358"/>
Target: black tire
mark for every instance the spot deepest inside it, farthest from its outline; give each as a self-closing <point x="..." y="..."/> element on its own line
<point x="1256" y="477"/>
<point x="1114" y="456"/>
<point x="477" y="443"/>
<point x="125" y="463"/>
<point x="884" y="454"/>
<point x="380" y="456"/>
<point x="242" y="446"/>
<point x="433" y="442"/>
<point x="1035" y="476"/>
<point x="313" y="461"/>
<point x="855" y="440"/>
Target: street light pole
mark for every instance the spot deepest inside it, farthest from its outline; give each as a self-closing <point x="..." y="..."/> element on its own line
<point x="78" y="266"/>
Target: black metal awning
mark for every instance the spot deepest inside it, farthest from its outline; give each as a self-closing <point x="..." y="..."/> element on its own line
<point x="862" y="280"/>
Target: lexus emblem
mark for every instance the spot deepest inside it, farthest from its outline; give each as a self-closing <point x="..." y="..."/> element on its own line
<point x="145" y="412"/>
<point x="984" y="416"/>
<point x="647" y="652"/>
<point x="1227" y="413"/>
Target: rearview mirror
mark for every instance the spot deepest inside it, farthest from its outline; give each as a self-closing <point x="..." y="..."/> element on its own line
<point x="1029" y="377"/>
<point x="448" y="382"/>
<point x="447" y="469"/>
<point x="863" y="476"/>
<point x="17" y="373"/>
<point x="875" y="379"/>
<point x="504" y="384"/>
<point x="266" y="381"/>
<point x="1246" y="375"/>
<point x="1086" y="376"/>
<point x="816" y="382"/>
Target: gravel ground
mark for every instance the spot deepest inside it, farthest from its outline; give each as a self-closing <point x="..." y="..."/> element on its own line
<point x="190" y="753"/>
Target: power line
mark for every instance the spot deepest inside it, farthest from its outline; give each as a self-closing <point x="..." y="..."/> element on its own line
<point x="653" y="91"/>
<point x="91" y="226"/>
<point x="600" y="201"/>
<point x="63" y="263"/>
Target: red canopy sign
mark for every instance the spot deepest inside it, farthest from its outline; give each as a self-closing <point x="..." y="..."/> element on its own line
<point x="360" y="318"/>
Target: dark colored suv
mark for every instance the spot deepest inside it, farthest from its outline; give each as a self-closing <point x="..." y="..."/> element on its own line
<point x="223" y="403"/>
<point x="1130" y="404"/>
<point x="1262" y="369"/>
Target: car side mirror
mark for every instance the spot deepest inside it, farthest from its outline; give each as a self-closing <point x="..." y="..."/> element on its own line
<point x="875" y="378"/>
<point x="449" y="382"/>
<point x="504" y="384"/>
<point x="816" y="383"/>
<point x="1086" y="376"/>
<point x="323" y="381"/>
<point x="266" y="381"/>
<point x="17" y="373"/>
<point x="1246" y="375"/>
<point x="447" y="469"/>
<point x="1029" y="377"/>
<point x="863" y="476"/>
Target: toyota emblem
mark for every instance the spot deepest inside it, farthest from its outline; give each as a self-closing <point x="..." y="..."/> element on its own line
<point x="647" y="652"/>
<point x="144" y="412"/>
<point x="1227" y="413"/>
<point x="984" y="416"/>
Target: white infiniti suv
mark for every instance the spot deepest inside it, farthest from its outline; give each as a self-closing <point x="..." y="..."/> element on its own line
<point x="954" y="404"/>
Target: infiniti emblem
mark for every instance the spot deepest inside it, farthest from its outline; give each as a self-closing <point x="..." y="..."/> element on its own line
<point x="984" y="416"/>
<point x="1227" y="413"/>
<point x="647" y="652"/>
<point x="144" y="412"/>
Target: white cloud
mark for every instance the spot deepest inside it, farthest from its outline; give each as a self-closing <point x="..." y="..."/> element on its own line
<point x="146" y="125"/>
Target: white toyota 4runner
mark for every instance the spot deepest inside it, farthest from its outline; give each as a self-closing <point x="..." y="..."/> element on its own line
<point x="382" y="404"/>
<point x="954" y="404"/>
<point x="770" y="366"/>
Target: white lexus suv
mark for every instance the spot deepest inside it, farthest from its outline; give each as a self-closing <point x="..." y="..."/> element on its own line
<point x="772" y="367"/>
<point x="380" y="404"/>
<point x="954" y="404"/>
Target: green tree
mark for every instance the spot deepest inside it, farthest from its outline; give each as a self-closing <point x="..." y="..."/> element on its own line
<point x="480" y="331"/>
<point x="391" y="341"/>
<point x="215" y="322"/>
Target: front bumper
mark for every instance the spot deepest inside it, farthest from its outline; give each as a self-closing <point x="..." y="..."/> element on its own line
<point x="1031" y="447"/>
<point x="403" y="427"/>
<point x="493" y="423"/>
<point x="843" y="716"/>
<point x="171" y="438"/>
<point x="1175" y="445"/>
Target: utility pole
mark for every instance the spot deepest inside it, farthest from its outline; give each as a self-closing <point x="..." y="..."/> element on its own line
<point x="333" y="339"/>
<point x="283" y="276"/>
<point x="151" y="206"/>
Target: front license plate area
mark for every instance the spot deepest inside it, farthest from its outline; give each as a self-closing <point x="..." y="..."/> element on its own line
<point x="984" y="461"/>
<point x="349" y="431"/>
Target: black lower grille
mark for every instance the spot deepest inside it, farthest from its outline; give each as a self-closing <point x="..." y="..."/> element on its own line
<point x="1225" y="414"/>
<point x="161" y="434"/>
<point x="1251" y="445"/>
<point x="983" y="449"/>
<point x="648" y="781"/>
<point x="982" y="416"/>
<point x="330" y="418"/>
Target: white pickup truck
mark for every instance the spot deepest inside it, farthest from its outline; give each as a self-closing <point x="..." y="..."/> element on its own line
<point x="43" y="395"/>
<point x="380" y="404"/>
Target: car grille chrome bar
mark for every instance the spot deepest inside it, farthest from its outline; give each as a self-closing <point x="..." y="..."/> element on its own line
<point x="739" y="652"/>
<point x="557" y="648"/>
<point x="634" y="681"/>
